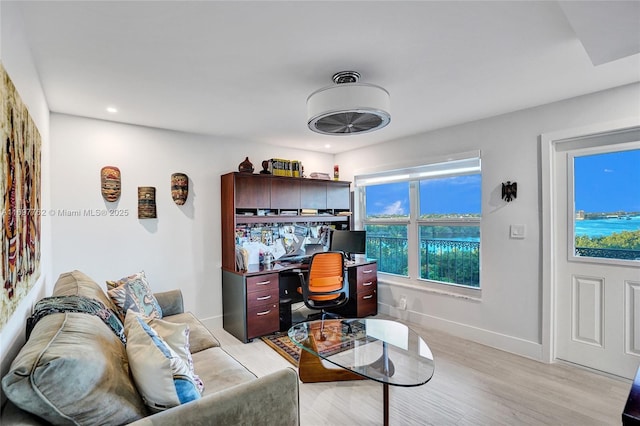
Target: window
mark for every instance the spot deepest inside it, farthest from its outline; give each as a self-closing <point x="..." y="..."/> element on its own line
<point x="449" y="227"/>
<point x="606" y="191"/>
<point x="428" y="216"/>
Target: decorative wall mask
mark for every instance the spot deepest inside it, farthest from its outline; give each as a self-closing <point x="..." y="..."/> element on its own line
<point x="146" y="202"/>
<point x="509" y="191"/>
<point x="179" y="188"/>
<point x="110" y="183"/>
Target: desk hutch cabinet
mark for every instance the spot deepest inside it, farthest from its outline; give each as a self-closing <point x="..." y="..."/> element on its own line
<point x="251" y="298"/>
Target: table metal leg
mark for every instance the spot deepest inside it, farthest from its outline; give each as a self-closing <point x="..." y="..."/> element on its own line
<point x="385" y="398"/>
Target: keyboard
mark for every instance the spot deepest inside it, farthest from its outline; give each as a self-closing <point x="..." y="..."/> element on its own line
<point x="298" y="258"/>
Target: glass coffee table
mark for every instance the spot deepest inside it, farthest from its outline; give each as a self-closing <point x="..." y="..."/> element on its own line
<point x="386" y="351"/>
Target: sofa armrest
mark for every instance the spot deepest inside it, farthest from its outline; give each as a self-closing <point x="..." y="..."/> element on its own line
<point x="268" y="400"/>
<point x="170" y="302"/>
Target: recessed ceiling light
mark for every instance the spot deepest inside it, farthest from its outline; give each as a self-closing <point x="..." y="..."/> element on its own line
<point x="327" y="146"/>
<point x="112" y="110"/>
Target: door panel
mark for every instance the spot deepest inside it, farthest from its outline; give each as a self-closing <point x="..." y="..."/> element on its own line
<point x="597" y="298"/>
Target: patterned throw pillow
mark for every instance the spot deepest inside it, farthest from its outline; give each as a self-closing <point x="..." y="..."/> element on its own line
<point x="134" y="292"/>
<point x="162" y="377"/>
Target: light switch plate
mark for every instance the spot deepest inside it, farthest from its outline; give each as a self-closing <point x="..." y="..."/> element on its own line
<point x="518" y="231"/>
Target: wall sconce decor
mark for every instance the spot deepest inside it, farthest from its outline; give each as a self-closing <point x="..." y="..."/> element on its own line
<point x="146" y="202"/>
<point x="509" y="191"/>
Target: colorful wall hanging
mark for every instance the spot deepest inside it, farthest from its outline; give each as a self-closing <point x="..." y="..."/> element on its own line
<point x="146" y="202"/>
<point x="179" y="188"/>
<point x="110" y="183"/>
<point x="20" y="166"/>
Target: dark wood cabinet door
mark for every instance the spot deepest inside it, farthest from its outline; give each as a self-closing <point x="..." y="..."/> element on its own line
<point x="285" y="193"/>
<point x="252" y="192"/>
<point x="313" y="195"/>
<point x="338" y="196"/>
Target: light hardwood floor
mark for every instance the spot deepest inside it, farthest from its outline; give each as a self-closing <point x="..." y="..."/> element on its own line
<point x="472" y="385"/>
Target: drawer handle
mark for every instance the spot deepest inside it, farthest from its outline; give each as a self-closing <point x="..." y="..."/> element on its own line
<point x="367" y="297"/>
<point x="263" y="297"/>
<point x="367" y="271"/>
<point x="367" y="283"/>
<point x="264" y="313"/>
<point x="263" y="282"/>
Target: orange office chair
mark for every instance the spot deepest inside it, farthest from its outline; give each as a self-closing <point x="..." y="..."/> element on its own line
<point x="325" y="288"/>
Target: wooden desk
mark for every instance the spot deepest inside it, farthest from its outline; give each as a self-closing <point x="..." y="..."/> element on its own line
<point x="251" y="299"/>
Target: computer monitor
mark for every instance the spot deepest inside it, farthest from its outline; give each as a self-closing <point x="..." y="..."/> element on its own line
<point x="349" y="242"/>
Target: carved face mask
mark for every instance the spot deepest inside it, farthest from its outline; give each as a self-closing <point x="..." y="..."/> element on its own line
<point x="146" y="202"/>
<point x="179" y="188"/>
<point x="110" y="183"/>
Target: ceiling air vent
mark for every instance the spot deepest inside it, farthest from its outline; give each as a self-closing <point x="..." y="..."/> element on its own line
<point x="348" y="107"/>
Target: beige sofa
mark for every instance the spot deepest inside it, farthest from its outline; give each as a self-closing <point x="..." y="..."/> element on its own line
<point x="73" y="369"/>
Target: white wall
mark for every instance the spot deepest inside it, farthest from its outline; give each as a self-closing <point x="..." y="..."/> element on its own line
<point x="179" y="249"/>
<point x="17" y="61"/>
<point x="508" y="316"/>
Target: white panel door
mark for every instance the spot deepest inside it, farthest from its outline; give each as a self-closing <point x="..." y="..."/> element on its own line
<point x="597" y="289"/>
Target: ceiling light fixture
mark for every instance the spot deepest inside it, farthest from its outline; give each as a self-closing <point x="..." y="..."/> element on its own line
<point x="348" y="107"/>
<point x="112" y="110"/>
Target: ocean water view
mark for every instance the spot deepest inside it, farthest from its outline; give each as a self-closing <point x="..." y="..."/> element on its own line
<point x="604" y="227"/>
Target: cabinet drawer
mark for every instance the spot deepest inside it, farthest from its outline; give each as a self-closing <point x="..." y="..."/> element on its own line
<point x="266" y="295"/>
<point x="264" y="319"/>
<point x="262" y="282"/>
<point x="367" y="302"/>
<point x="366" y="277"/>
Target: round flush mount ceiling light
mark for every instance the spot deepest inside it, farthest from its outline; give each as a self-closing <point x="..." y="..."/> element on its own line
<point x="348" y="107"/>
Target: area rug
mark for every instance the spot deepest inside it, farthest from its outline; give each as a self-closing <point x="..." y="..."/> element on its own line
<point x="281" y="343"/>
<point x="339" y="336"/>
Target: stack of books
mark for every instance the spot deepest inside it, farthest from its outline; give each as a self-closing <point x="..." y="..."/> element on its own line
<point x="281" y="167"/>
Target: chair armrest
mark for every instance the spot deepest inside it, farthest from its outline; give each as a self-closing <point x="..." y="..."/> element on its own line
<point x="170" y="302"/>
<point x="268" y="400"/>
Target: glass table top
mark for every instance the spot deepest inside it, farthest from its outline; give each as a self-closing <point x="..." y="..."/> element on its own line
<point x="382" y="350"/>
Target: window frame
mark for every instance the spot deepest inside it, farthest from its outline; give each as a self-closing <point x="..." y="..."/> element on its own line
<point x="571" y="212"/>
<point x="444" y="167"/>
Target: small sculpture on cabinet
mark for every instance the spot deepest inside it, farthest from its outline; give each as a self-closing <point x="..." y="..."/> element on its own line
<point x="246" y="166"/>
<point x="265" y="168"/>
<point x="179" y="188"/>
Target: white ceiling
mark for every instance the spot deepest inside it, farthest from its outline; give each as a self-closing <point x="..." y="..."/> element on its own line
<point x="241" y="70"/>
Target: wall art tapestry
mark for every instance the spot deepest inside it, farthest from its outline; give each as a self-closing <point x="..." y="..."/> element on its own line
<point x="20" y="195"/>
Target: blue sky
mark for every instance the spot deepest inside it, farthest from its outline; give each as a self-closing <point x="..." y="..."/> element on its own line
<point x="608" y="182"/>
<point x="460" y="194"/>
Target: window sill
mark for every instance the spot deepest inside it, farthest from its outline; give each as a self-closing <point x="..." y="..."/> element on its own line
<point x="459" y="292"/>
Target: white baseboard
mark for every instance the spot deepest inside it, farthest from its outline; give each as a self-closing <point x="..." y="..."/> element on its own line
<point x="500" y="341"/>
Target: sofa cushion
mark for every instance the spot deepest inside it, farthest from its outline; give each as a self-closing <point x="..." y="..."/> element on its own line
<point x="219" y="370"/>
<point x="134" y="292"/>
<point x="76" y="283"/>
<point x="163" y="378"/>
<point x="200" y="338"/>
<point x="74" y="370"/>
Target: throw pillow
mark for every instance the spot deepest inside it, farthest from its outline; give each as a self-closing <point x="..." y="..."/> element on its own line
<point x="163" y="378"/>
<point x="134" y="292"/>
<point x="177" y="337"/>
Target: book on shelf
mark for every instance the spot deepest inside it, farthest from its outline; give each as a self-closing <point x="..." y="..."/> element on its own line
<point x="309" y="212"/>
